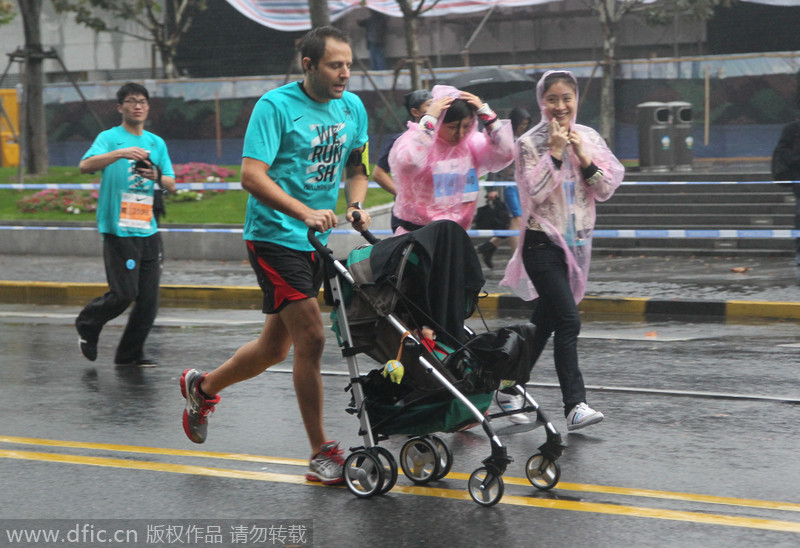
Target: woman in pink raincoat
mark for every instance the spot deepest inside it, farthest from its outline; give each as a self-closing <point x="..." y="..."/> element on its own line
<point x="562" y="168"/>
<point x="436" y="162"/>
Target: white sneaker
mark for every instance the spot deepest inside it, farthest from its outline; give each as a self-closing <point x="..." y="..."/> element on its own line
<point x="510" y="403"/>
<point x="582" y="415"/>
<point x="326" y="465"/>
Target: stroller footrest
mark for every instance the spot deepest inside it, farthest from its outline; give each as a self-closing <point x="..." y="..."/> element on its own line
<point x="349" y="351"/>
<point x="498" y="462"/>
<point x="553" y="448"/>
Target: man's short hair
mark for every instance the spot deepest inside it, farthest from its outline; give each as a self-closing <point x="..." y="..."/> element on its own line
<point x="416" y="99"/>
<point x="312" y="45"/>
<point x="131" y="88"/>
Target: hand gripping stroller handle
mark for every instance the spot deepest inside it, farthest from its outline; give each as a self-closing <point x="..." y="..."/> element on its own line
<point x="314" y="241"/>
<point x="325" y="251"/>
<point x="369" y="236"/>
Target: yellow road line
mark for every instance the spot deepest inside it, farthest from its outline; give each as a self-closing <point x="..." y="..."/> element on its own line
<point x="670" y="495"/>
<point x="653" y="494"/>
<point x="153" y="466"/>
<point x="152" y="450"/>
<point x="565" y="486"/>
<point x="575" y="506"/>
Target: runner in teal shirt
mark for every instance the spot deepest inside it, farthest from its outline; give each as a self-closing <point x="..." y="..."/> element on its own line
<point x="130" y="160"/>
<point x="121" y="184"/>
<point x="303" y="138"/>
<point x="306" y="144"/>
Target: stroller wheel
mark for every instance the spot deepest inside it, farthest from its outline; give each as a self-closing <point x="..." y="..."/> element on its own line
<point x="445" y="457"/>
<point x="542" y="472"/>
<point x="389" y="468"/>
<point x="485" y="488"/>
<point x="363" y="474"/>
<point x="419" y="460"/>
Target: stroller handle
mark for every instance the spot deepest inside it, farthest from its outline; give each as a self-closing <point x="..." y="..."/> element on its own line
<point x="316" y="244"/>
<point x="312" y="236"/>
<point x="314" y="241"/>
<point x="369" y="236"/>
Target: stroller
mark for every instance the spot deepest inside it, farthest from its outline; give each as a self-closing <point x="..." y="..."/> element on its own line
<point x="403" y="301"/>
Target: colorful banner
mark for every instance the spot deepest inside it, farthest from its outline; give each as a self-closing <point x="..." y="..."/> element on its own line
<point x="292" y="15"/>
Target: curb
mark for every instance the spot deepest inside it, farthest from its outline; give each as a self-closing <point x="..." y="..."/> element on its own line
<point x="647" y="307"/>
<point x="250" y="297"/>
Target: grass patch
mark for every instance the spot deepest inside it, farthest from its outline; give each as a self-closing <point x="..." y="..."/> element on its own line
<point x="226" y="207"/>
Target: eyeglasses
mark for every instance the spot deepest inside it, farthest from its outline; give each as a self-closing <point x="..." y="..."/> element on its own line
<point x="135" y="103"/>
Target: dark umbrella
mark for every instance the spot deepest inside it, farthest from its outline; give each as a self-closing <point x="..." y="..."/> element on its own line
<point x="492" y="82"/>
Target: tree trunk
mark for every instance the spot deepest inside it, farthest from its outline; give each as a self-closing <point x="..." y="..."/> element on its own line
<point x="607" y="106"/>
<point x="318" y="10"/>
<point x="412" y="45"/>
<point x="411" y="28"/>
<point x="170" y="35"/>
<point x="168" y="61"/>
<point x="35" y="131"/>
<point x="609" y="19"/>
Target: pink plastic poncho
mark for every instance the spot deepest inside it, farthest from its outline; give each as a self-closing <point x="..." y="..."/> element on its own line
<point x="559" y="201"/>
<point x="436" y="180"/>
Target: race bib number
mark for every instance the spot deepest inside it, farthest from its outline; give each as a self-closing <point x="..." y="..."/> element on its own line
<point x="572" y="235"/>
<point x="136" y="210"/>
<point x="471" y="187"/>
<point x="453" y="183"/>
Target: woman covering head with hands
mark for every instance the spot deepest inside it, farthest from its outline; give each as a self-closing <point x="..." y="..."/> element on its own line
<point x="562" y="168"/>
<point x="437" y="161"/>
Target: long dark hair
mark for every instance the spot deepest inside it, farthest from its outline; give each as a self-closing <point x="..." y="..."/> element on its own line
<point x="517" y="116"/>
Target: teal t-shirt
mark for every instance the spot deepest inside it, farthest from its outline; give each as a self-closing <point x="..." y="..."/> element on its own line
<point x="125" y="202"/>
<point x="306" y="145"/>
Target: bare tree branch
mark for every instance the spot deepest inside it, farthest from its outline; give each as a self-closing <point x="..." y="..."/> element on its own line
<point x="166" y="21"/>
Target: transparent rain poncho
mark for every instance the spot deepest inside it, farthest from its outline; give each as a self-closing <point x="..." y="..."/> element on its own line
<point x="560" y="202"/>
<point x="436" y="180"/>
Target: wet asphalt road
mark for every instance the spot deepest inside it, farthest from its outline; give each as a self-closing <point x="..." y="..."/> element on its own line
<point x="699" y="447"/>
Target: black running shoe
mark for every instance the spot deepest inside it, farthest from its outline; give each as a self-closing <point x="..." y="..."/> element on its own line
<point x="486" y="250"/>
<point x="138" y="362"/>
<point x="87" y="343"/>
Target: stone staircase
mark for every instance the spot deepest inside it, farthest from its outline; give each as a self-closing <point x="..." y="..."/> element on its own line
<point x="698" y="206"/>
<point x="695" y="206"/>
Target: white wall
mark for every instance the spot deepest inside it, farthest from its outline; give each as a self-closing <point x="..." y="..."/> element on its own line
<point x="81" y="49"/>
<point x="539" y="34"/>
<point x="546" y="33"/>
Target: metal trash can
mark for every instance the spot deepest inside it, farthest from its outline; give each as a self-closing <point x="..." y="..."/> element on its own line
<point x="655" y="136"/>
<point x="682" y="138"/>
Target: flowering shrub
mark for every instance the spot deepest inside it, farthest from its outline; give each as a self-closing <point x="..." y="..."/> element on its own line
<point x="83" y="201"/>
<point x="186" y="195"/>
<point x="67" y="201"/>
<point x="198" y="172"/>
